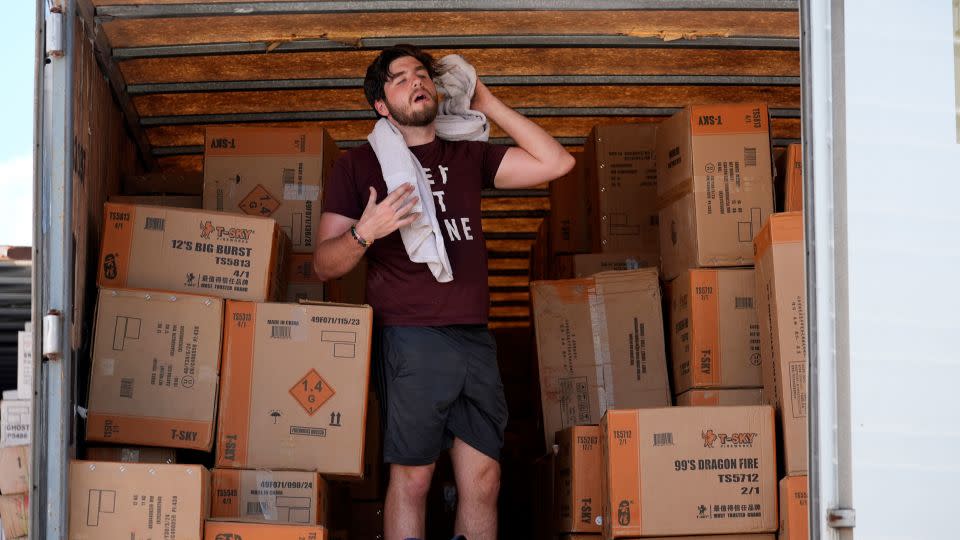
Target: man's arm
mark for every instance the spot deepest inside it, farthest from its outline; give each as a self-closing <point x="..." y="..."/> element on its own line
<point x="536" y="159"/>
<point x="338" y="251"/>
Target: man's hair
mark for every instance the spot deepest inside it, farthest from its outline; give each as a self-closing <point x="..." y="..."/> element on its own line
<point x="378" y="72"/>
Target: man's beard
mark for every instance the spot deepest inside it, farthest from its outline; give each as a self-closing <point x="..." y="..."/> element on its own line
<point x="407" y="117"/>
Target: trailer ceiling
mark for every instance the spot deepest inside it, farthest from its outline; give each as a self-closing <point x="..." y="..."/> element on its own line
<point x="177" y="67"/>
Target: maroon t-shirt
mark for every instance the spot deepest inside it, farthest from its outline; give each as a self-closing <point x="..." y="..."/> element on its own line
<point x="404" y="293"/>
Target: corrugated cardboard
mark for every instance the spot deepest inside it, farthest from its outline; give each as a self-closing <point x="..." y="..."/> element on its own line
<point x="132" y="454"/>
<point x="25" y="362"/>
<point x="302" y="282"/>
<point x="721" y="397"/>
<point x="173" y="249"/>
<point x="579" y="467"/>
<point x="154" y="372"/>
<point x="714" y="331"/>
<point x="234" y="530"/>
<point x="585" y="265"/>
<point x="689" y="470"/>
<point x="793" y="178"/>
<point x="371" y="485"/>
<point x="569" y="229"/>
<point x="169" y="183"/>
<point x="133" y="500"/>
<point x="622" y="188"/>
<point x="295" y="497"/>
<point x="15" y="516"/>
<point x="269" y="172"/>
<point x="794" y="511"/>
<point x="294" y="387"/>
<point x="174" y="201"/>
<point x="782" y="303"/>
<point x="715" y="185"/>
<point x="16" y="422"/>
<point x="14" y="470"/>
<point x="600" y="344"/>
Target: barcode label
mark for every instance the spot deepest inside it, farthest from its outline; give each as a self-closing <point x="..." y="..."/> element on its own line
<point x="126" y="388"/>
<point x="750" y="157"/>
<point x="155" y="224"/>
<point x="255" y="508"/>
<point x="288" y="176"/>
<point x="280" y="332"/>
<point x="743" y="302"/>
<point x="663" y="439"/>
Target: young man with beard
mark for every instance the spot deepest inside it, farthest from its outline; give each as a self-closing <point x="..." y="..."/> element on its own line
<point x="435" y="358"/>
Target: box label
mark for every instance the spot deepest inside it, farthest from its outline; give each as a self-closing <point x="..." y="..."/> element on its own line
<point x="259" y="202"/>
<point x="311" y="392"/>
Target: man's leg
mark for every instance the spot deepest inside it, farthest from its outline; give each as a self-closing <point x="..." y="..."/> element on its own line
<point x="478" y="486"/>
<point x="407" y="501"/>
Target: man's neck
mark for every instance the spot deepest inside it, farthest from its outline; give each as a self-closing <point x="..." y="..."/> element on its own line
<point x="415" y="136"/>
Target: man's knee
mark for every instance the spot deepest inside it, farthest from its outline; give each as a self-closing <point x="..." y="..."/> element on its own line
<point x="412" y="481"/>
<point x="485" y="485"/>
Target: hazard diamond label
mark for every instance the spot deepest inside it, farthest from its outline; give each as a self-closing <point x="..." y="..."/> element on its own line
<point x="311" y="392"/>
<point x="259" y="202"/>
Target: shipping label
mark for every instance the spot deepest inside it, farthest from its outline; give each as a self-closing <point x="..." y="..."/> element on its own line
<point x="638" y="348"/>
<point x="574" y="401"/>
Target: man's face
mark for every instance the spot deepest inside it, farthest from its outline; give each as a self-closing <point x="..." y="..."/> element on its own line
<point x="411" y="96"/>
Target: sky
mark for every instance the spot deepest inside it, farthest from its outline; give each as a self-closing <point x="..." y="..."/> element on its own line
<point x="16" y="137"/>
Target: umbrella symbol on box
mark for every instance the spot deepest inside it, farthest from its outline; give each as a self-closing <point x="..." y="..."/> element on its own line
<point x="276" y="415"/>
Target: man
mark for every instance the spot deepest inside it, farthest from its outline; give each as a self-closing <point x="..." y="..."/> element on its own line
<point x="435" y="359"/>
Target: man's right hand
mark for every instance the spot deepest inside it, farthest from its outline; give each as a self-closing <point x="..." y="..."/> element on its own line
<point x="393" y="212"/>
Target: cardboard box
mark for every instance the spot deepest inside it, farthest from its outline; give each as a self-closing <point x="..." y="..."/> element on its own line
<point x="14" y="470"/>
<point x="25" y="362"/>
<point x="371" y="486"/>
<point x="793" y="179"/>
<point x="568" y="222"/>
<point x="173" y="201"/>
<point x="295" y="497"/>
<point x="719" y="464"/>
<point x="168" y="183"/>
<point x="585" y="265"/>
<point x="579" y="468"/>
<point x="173" y="249"/>
<point x="715" y="185"/>
<point x="132" y="500"/>
<point x="269" y="172"/>
<point x="132" y="454"/>
<point x="714" y="331"/>
<point x="794" y="511"/>
<point x="782" y="303"/>
<point x="16" y="421"/>
<point x="721" y="397"/>
<point x="600" y="345"/>
<point x="232" y="530"/>
<point x="307" y="410"/>
<point x="622" y="188"/>
<point x="154" y="372"/>
<point x="15" y="516"/>
<point x="302" y="282"/>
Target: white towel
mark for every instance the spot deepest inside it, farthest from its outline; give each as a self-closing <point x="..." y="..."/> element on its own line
<point x="423" y="238"/>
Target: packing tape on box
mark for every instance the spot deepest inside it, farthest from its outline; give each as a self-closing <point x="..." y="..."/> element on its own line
<point x="674" y="194"/>
<point x="601" y="346"/>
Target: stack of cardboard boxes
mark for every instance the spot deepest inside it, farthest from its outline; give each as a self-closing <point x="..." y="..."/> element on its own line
<point x="697" y="192"/>
<point x="15" y="443"/>
<point x="193" y="351"/>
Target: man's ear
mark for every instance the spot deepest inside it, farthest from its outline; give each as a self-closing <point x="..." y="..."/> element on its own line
<point x="381" y="108"/>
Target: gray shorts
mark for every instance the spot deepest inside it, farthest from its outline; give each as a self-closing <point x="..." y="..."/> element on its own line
<point x="438" y="383"/>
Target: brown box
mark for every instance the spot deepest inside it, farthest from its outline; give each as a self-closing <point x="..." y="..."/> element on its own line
<point x="794" y="511"/>
<point x="173" y="249"/>
<point x="302" y="282"/>
<point x="154" y="373"/>
<point x="579" y="468"/>
<point x="132" y="454"/>
<point x="793" y="178"/>
<point x="269" y="172"/>
<point x="14" y="470"/>
<point x="306" y="410"/>
<point x="715" y="185"/>
<point x="721" y="397"/>
<point x="782" y="303"/>
<point x="622" y="188"/>
<point x="719" y="464"/>
<point x="15" y="516"/>
<point x="295" y="497"/>
<point x="585" y="265"/>
<point x="169" y="183"/>
<point x="714" y="331"/>
<point x="235" y="530"/>
<point x="174" y="201"/>
<point x="132" y="500"/>
<point x="569" y="225"/>
<point x="600" y="345"/>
